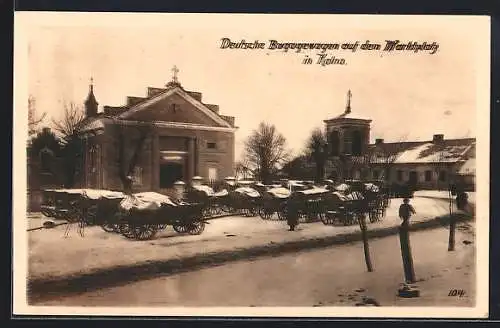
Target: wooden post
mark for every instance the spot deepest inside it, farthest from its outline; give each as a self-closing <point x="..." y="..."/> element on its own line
<point x="451" y="238"/>
<point x="364" y="234"/>
<point x="404" y="238"/>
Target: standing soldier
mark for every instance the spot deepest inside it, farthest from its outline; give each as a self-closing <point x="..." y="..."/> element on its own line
<point x="292" y="213"/>
<point x="462" y="200"/>
<point x="406" y="211"/>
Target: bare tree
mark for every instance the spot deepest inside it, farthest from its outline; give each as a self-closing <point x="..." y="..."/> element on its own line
<point x="71" y="121"/>
<point x="130" y="144"/>
<point x="265" y="149"/>
<point x="384" y="156"/>
<point x="317" y="151"/>
<point x="242" y="168"/>
<point x="33" y="120"/>
<point x="68" y="127"/>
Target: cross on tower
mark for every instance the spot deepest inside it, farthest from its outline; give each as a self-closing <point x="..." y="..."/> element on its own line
<point x="175" y="70"/>
<point x="348" y="106"/>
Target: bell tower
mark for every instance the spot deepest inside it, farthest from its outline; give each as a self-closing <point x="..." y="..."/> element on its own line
<point x="348" y="136"/>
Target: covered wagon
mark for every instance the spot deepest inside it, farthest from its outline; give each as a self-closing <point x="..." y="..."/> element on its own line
<point x="142" y="215"/>
<point x="244" y="200"/>
<point x="274" y="201"/>
<point x="307" y="204"/>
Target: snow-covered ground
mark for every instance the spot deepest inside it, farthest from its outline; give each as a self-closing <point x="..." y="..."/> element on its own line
<point x="335" y="276"/>
<point x="52" y="255"/>
<point x="442" y="194"/>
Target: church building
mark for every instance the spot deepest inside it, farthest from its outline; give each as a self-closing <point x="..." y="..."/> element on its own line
<point x="422" y="164"/>
<point x="167" y="136"/>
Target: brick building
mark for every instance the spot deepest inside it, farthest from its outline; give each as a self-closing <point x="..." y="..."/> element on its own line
<point x="183" y="137"/>
<point x="431" y="164"/>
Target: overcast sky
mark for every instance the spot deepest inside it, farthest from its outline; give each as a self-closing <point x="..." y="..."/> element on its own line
<point x="404" y="93"/>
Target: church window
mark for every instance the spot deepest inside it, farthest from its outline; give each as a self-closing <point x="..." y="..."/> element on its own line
<point x="356" y="143"/>
<point x="334" y="143"/>
<point x="211" y="145"/>
<point x="347" y="143"/>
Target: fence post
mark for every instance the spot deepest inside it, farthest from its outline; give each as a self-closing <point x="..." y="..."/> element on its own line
<point x="451" y="238"/>
<point x="366" y="247"/>
<point x="407" y="289"/>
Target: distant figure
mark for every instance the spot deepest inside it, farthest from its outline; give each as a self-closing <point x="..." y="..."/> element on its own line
<point x="462" y="200"/>
<point x="292" y="215"/>
<point x="406" y="211"/>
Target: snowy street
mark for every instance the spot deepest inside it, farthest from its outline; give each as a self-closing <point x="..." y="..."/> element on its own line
<point x="312" y="278"/>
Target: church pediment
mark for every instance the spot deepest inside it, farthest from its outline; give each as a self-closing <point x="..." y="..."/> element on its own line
<point x="175" y="105"/>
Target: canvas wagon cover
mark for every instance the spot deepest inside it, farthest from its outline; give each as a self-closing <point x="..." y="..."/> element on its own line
<point x="279" y="192"/>
<point x="206" y="189"/>
<point x="146" y="201"/>
<point x="342" y="187"/>
<point x="250" y="192"/>
<point x="314" y="191"/>
<point x="221" y="193"/>
<point x="99" y="193"/>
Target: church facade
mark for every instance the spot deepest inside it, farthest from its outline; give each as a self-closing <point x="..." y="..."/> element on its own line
<point x="431" y="164"/>
<point x="167" y="136"/>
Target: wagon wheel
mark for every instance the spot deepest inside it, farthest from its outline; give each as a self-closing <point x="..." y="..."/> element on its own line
<point x="265" y="213"/>
<point x="109" y="227"/>
<point x="180" y="228"/>
<point x="282" y="213"/>
<point x="196" y="228"/>
<point x="225" y="208"/>
<point x="144" y="231"/>
<point x="215" y="210"/>
<point x="253" y="211"/>
<point x="348" y="218"/>
<point x="162" y="226"/>
<point x="46" y="212"/>
<point x="126" y="230"/>
<point x="328" y="218"/>
<point x="91" y="215"/>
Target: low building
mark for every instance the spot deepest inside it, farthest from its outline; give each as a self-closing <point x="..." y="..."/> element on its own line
<point x="432" y="164"/>
<point x="167" y="136"/>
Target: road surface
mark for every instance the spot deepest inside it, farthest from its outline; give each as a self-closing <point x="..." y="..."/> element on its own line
<point x="332" y="277"/>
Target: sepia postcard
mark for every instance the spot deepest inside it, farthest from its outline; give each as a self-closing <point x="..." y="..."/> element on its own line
<point x="245" y="165"/>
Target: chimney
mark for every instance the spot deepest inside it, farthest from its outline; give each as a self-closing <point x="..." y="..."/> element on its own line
<point x="379" y="141"/>
<point x="437" y="138"/>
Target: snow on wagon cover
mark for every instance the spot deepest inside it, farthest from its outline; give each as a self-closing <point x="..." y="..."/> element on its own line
<point x="250" y="192"/>
<point x="146" y="201"/>
<point x="204" y="188"/>
<point x="279" y="192"/>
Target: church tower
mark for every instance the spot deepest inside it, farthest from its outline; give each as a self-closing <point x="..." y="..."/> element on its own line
<point x="91" y="103"/>
<point x="348" y="136"/>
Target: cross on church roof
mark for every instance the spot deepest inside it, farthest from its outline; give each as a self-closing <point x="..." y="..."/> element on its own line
<point x="175" y="70"/>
